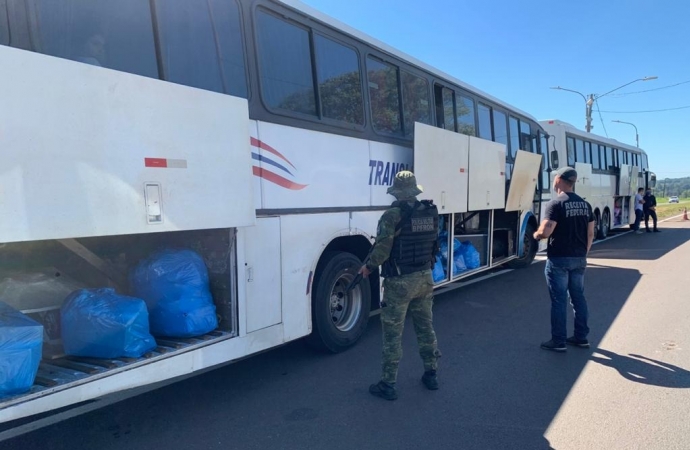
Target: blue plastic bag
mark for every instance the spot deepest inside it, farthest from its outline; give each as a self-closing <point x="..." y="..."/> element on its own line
<point x="439" y="272"/>
<point x="21" y="344"/>
<point x="458" y="263"/>
<point x="99" y="323"/>
<point x="470" y="255"/>
<point x="175" y="286"/>
<point x="443" y="245"/>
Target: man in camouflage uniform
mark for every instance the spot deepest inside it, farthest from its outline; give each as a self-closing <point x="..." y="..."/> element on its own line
<point x="410" y="288"/>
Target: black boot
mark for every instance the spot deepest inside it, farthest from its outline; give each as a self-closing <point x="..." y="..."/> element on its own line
<point x="383" y="390"/>
<point x="430" y="380"/>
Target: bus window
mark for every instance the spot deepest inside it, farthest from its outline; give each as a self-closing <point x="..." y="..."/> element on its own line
<point x="4" y="24"/>
<point x="596" y="164"/>
<point x="416" y="102"/>
<point x="384" y="96"/>
<point x="500" y="128"/>
<point x="525" y="137"/>
<point x="579" y="150"/>
<point x="226" y="22"/>
<point x="340" y="84"/>
<point x="485" y="122"/>
<point x="610" y="158"/>
<point x="514" y="136"/>
<point x="465" y="114"/>
<point x="571" y="151"/>
<point x="188" y="44"/>
<point x="445" y="111"/>
<point x="117" y="35"/>
<point x="285" y="65"/>
<point x="588" y="152"/>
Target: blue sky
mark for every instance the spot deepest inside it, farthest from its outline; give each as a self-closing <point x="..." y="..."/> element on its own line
<point x="515" y="50"/>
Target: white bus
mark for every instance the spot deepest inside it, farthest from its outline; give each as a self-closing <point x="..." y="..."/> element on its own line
<point x="609" y="173"/>
<point x="261" y="134"/>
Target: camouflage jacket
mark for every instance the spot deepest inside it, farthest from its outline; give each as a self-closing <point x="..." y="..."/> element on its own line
<point x="385" y="235"/>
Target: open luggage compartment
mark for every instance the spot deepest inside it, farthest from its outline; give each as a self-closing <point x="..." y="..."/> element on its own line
<point x="35" y="278"/>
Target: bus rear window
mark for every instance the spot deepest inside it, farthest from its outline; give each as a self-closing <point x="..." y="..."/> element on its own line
<point x="117" y="35"/>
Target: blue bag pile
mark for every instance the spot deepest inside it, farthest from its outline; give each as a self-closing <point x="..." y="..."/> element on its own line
<point x="470" y="255"/>
<point x="465" y="257"/>
<point x="99" y="323"/>
<point x="21" y="344"/>
<point x="175" y="286"/>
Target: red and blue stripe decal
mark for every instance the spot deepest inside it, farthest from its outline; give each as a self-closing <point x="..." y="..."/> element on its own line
<point x="275" y="160"/>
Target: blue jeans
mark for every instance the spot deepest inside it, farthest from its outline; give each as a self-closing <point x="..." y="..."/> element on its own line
<point x="565" y="275"/>
<point x="638" y="219"/>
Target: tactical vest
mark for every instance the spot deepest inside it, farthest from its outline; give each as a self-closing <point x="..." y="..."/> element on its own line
<point x="415" y="242"/>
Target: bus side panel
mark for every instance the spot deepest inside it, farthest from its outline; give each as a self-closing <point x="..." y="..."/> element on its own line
<point x="303" y="240"/>
<point x="310" y="169"/>
<point x="385" y="161"/>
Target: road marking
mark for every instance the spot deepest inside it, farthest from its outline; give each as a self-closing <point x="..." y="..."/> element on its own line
<point x="671" y="218"/>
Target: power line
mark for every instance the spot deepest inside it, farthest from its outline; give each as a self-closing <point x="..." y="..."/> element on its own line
<point x="596" y="103"/>
<point x="647" y="111"/>
<point x="649" y="90"/>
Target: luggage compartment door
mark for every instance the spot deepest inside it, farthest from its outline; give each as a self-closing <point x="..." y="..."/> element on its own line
<point x="88" y="151"/>
<point x="441" y="167"/>
<point x="487" y="175"/>
<point x="524" y="181"/>
<point x="263" y="274"/>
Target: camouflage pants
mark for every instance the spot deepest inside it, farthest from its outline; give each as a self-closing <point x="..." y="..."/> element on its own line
<point x="413" y="292"/>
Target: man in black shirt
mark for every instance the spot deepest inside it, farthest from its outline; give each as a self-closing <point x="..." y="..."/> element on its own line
<point x="569" y="226"/>
<point x="650" y="210"/>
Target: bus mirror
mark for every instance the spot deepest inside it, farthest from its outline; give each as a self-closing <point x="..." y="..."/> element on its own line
<point x="652" y="181"/>
<point x="554" y="160"/>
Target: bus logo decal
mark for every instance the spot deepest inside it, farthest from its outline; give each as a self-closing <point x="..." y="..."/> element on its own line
<point x="281" y="164"/>
<point x="382" y="173"/>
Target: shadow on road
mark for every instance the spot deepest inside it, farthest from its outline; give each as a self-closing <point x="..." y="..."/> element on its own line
<point x="498" y="388"/>
<point x="641" y="369"/>
<point x="645" y="246"/>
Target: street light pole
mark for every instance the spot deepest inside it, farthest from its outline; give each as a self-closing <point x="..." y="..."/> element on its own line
<point x="637" y="136"/>
<point x="589" y="102"/>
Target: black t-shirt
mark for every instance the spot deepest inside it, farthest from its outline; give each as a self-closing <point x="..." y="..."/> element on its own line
<point x="649" y="201"/>
<point x="572" y="216"/>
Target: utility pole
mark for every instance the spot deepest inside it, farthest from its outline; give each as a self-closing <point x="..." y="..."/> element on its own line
<point x="589" y="102"/>
<point x="588" y="109"/>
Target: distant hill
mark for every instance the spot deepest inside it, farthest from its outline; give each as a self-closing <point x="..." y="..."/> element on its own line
<point x="673" y="186"/>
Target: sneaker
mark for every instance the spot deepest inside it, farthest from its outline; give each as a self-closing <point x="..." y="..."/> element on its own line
<point x="383" y="390"/>
<point x="582" y="343"/>
<point x="657" y="231"/>
<point x="638" y="232"/>
<point x="554" y="347"/>
<point x="430" y="380"/>
<point x="648" y="230"/>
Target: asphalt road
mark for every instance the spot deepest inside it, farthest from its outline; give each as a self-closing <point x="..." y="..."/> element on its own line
<point x="499" y="390"/>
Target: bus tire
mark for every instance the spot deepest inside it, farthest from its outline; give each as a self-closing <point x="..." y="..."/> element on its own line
<point x="604" y="224"/>
<point x="338" y="319"/>
<point x="530" y="247"/>
<point x="597" y="224"/>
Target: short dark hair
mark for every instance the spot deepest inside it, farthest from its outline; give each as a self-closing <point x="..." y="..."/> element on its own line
<point x="640" y="189"/>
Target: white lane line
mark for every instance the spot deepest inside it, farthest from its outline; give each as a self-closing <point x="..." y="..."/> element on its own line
<point x="671" y="218"/>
